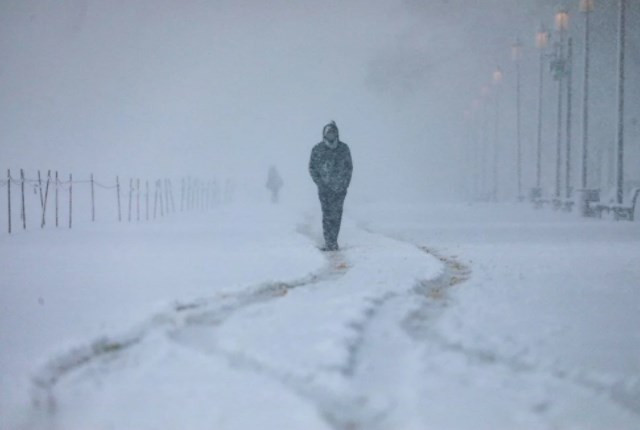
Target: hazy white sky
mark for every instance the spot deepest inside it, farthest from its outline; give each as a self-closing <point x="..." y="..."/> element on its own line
<point x="169" y="87"/>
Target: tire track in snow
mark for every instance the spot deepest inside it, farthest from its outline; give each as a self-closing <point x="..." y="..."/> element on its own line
<point x="348" y="410"/>
<point x="625" y="394"/>
<point x="210" y="311"/>
<point x="342" y="410"/>
<point x="360" y="410"/>
<point x="337" y="408"/>
<point x="351" y="410"/>
<point x="369" y="409"/>
<point x="432" y="298"/>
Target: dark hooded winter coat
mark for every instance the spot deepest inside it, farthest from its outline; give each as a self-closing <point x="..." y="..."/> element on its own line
<point x="331" y="167"/>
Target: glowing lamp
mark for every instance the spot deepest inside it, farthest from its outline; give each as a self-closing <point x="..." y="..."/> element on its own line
<point x="586" y="5"/>
<point x="542" y="39"/>
<point x="562" y="20"/>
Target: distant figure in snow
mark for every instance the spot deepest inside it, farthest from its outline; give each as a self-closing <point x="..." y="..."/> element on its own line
<point x="274" y="183"/>
<point x="330" y="167"/>
<point x="229" y="189"/>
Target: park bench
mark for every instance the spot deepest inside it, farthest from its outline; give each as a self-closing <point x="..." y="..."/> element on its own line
<point x="539" y="199"/>
<point x="586" y="199"/>
<point x="565" y="204"/>
<point x="540" y="202"/>
<point x="605" y="204"/>
<point x="568" y="204"/>
<point x="626" y="210"/>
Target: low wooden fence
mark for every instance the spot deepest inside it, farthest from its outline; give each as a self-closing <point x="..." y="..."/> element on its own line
<point x="144" y="199"/>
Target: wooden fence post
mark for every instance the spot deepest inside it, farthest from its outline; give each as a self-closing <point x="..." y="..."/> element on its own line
<point x="70" y="199"/>
<point x="155" y="200"/>
<point x="189" y="207"/>
<point x="159" y="184"/>
<point x="40" y="190"/>
<point x="9" y="196"/>
<point x="130" y="197"/>
<point x="199" y="196"/>
<point x="203" y="197"/>
<point x="146" y="196"/>
<point x="193" y="194"/>
<point x="173" y="203"/>
<point x="201" y="189"/>
<point x="209" y="195"/>
<point x="138" y="199"/>
<point x="212" y="192"/>
<point x="206" y="196"/>
<point x="118" y="192"/>
<point x="56" y="198"/>
<point x="166" y="195"/>
<point x="167" y="184"/>
<point x="46" y="197"/>
<point x="93" y="205"/>
<point x="24" y="213"/>
<point x="196" y="195"/>
<point x="182" y="194"/>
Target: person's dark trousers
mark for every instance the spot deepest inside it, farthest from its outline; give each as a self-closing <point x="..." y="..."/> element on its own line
<point x="332" y="203"/>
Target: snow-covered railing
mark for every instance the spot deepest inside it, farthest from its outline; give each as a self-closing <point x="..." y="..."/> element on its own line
<point x="195" y="195"/>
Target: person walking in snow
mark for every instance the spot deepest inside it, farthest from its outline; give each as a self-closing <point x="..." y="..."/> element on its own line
<point x="331" y="167"/>
<point x="274" y="183"/>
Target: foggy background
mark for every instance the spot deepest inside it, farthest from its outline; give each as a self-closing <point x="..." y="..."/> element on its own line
<point x="223" y="89"/>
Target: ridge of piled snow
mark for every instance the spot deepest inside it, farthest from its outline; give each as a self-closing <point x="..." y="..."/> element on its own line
<point x="542" y="335"/>
<point x="285" y="346"/>
<point x="323" y="320"/>
<point x="102" y="283"/>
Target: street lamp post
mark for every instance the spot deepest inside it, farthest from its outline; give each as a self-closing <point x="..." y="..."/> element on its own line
<point x="485" y="91"/>
<point x="558" y="67"/>
<point x="586" y="6"/>
<point x="516" y="51"/>
<point x="620" y="163"/>
<point x="497" y="79"/>
<point x="586" y="195"/>
<point x="477" y="147"/>
<point x="542" y="40"/>
<point x="569" y="76"/>
<point x="467" y="149"/>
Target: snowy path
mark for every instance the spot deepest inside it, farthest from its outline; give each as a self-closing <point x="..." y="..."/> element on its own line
<point x="368" y="341"/>
<point x="542" y="335"/>
<point x="304" y="336"/>
<point x="179" y="325"/>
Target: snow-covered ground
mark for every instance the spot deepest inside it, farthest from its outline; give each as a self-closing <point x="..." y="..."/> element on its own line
<point x="430" y="317"/>
<point x="544" y="333"/>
